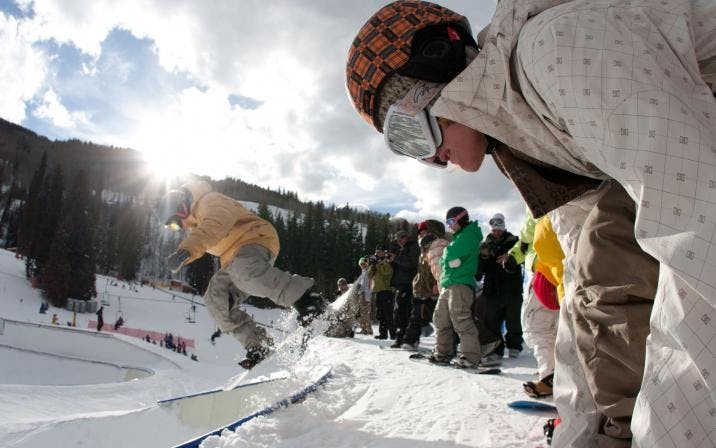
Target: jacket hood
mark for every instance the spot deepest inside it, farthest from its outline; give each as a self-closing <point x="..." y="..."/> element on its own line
<point x="198" y="189"/>
<point x="487" y="97"/>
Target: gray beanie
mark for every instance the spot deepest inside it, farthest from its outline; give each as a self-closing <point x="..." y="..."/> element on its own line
<point x="498" y="221"/>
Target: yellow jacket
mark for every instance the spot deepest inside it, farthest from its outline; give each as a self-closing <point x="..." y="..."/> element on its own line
<point x="220" y="225"/>
<point x="549" y="255"/>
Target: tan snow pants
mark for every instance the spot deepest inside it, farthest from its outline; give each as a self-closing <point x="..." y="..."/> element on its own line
<point x="615" y="289"/>
<point x="250" y="274"/>
<point x="453" y="314"/>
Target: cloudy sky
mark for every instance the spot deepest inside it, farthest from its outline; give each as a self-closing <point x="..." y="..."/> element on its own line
<point x="243" y="88"/>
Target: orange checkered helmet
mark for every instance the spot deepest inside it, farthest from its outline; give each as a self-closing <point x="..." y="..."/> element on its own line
<point x="384" y="47"/>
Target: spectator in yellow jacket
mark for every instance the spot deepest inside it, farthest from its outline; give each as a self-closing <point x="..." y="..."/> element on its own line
<point x="247" y="247"/>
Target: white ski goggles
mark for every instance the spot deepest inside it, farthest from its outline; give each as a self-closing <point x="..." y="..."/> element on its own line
<point x="410" y="130"/>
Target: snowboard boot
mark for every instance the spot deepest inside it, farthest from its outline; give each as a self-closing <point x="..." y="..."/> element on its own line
<point x="462" y="362"/>
<point x="549" y="428"/>
<point x="491" y="360"/>
<point x="439" y="359"/>
<point x="539" y="389"/>
<point x="490" y="357"/>
<point x="254" y="356"/>
<point x="513" y="353"/>
<point x="398" y="342"/>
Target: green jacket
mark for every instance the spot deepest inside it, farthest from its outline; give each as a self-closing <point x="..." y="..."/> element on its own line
<point x="464" y="246"/>
<point x="381" y="273"/>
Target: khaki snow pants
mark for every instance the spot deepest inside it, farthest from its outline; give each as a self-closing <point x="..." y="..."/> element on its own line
<point x="364" y="313"/>
<point x="608" y="315"/>
<point x="453" y="314"/>
<point x="250" y="274"/>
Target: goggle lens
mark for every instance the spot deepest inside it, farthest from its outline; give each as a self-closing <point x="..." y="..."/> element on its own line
<point x="174" y="223"/>
<point x="409" y="128"/>
<point x="452" y="221"/>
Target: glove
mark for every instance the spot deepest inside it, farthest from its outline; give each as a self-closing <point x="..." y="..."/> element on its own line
<point x="454" y="263"/>
<point x="509" y="264"/>
<point x="176" y="260"/>
<point x="524" y="247"/>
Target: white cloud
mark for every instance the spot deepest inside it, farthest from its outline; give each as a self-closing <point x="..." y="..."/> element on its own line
<point x="22" y="69"/>
<point x="52" y="109"/>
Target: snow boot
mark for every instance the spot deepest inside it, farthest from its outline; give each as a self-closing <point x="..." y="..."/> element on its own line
<point x="438" y="359"/>
<point x="491" y="360"/>
<point x="254" y="356"/>
<point x="541" y="388"/>
<point x="513" y="353"/>
<point x="462" y="362"/>
<point x="549" y="427"/>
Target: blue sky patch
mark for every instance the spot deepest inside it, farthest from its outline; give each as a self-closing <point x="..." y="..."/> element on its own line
<point x="126" y="73"/>
<point x="10" y="8"/>
<point x="244" y="102"/>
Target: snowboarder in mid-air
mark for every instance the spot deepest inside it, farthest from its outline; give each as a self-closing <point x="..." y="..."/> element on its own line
<point x="247" y="246"/>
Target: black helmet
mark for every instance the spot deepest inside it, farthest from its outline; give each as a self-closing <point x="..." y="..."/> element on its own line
<point x="459" y="214"/>
<point x="174" y="206"/>
<point x="426" y="240"/>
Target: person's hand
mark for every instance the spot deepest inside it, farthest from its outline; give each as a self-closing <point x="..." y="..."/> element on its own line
<point x="509" y="264"/>
<point x="501" y="259"/>
<point x="176" y="260"/>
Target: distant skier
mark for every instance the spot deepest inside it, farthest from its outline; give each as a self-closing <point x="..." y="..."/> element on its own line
<point x="100" y="318"/>
<point x="247" y="246"/>
<point x="118" y="323"/>
<point x="215" y="335"/>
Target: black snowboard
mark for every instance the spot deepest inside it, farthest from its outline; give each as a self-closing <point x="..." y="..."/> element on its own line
<point x="423" y="358"/>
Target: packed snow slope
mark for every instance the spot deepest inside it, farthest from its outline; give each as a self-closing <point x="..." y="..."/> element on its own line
<point x="376" y="398"/>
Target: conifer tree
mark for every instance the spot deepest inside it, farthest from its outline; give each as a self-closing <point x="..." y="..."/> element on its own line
<point x="57" y="275"/>
<point x="130" y="233"/>
<point x="29" y="218"/>
<point x="72" y="249"/>
<point x="48" y="215"/>
<point x="263" y="212"/>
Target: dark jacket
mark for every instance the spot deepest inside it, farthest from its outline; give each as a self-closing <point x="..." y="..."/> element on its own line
<point x="405" y="264"/>
<point x="497" y="281"/>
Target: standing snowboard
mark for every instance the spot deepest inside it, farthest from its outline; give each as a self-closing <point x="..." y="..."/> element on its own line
<point x="423" y="358"/>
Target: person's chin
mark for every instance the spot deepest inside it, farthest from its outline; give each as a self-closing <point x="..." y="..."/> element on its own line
<point x="470" y="167"/>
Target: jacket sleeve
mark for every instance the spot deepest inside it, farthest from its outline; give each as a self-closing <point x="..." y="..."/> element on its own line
<point x="435" y="253"/>
<point x="526" y="236"/>
<point x="216" y="217"/>
<point x="466" y="245"/>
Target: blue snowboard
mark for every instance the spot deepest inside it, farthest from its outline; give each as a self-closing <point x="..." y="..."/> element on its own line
<point x="532" y="405"/>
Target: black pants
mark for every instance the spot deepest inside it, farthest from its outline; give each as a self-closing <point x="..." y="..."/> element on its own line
<point x="401" y="312"/>
<point x="421" y="316"/>
<point x="479" y="313"/>
<point x="505" y="308"/>
<point x="384" y="311"/>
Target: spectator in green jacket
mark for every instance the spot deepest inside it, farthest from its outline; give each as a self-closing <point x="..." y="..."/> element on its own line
<point x="453" y="313"/>
<point x="380" y="272"/>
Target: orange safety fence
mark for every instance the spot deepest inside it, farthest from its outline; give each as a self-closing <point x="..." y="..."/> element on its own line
<point x="141" y="334"/>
